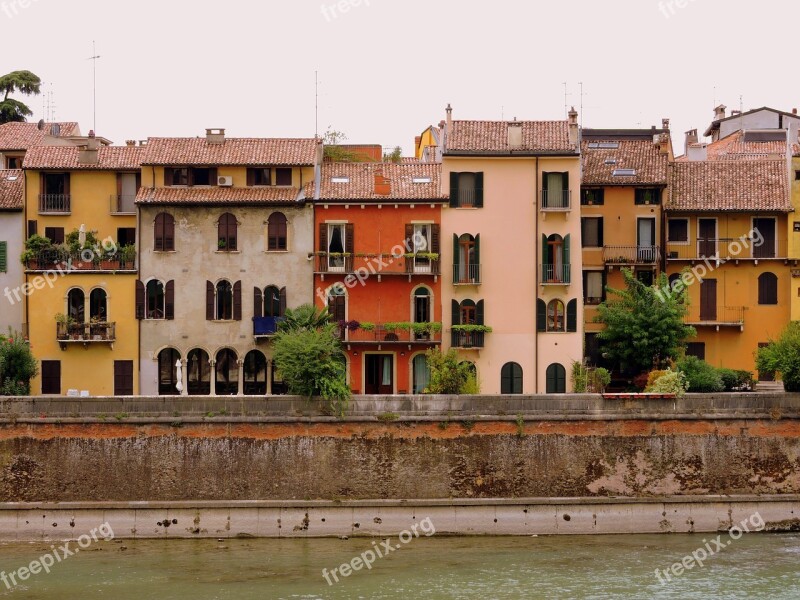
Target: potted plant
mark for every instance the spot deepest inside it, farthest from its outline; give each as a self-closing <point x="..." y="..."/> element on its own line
<point x="221" y="244"/>
<point x="127" y="256"/>
<point x="98" y="328"/>
<point x="64" y="323"/>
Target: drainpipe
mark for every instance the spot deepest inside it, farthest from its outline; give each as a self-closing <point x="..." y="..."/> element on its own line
<point x="536" y="283"/>
<point x="25" y="237"/>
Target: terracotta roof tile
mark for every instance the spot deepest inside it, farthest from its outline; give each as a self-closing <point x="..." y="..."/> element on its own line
<point x="729" y="185"/>
<point x="21" y="136"/>
<point x="110" y="158"/>
<point x="491" y="137"/>
<point x="234" y="151"/>
<point x="221" y="195"/>
<point x="643" y="156"/>
<point x="734" y="147"/>
<point x="361" y="179"/>
<point x="11" y="189"/>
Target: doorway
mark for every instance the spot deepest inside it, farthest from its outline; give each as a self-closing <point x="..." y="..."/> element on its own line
<point x="379" y="374"/>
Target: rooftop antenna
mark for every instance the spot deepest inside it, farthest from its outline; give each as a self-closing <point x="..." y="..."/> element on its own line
<point x="316" y="105"/>
<point x="741" y="112"/>
<point x="580" y="83"/>
<point x="566" y="102"/>
<point x="502" y="113"/>
<point x="94" y="58"/>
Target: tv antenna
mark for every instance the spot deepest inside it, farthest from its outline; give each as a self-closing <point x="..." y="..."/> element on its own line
<point x="316" y="104"/>
<point x="94" y="58"/>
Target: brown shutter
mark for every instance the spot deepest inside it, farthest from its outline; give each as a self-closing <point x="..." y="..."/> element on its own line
<point x="140" y="300"/>
<point x="158" y="232"/>
<point x="138" y="181"/>
<point x="123" y="378"/>
<point x="33" y="227"/>
<point x="251" y="177"/>
<point x="42" y="184"/>
<point x="258" y="303"/>
<point x="209" y="301"/>
<point x="169" y="301"/>
<point x="66" y="184"/>
<point x="283" y="301"/>
<point x="169" y="233"/>
<point x="222" y="230"/>
<point x="349" y="232"/>
<point x="237" y="301"/>
<point x="233" y="232"/>
<point x="323" y="237"/>
<point x="169" y="176"/>
<point x="436" y="235"/>
<point x="212" y="176"/>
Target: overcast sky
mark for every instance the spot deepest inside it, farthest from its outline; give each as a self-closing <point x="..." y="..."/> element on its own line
<point x="387" y="68"/>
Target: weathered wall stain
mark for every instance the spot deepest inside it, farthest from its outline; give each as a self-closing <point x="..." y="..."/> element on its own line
<point x="351" y="460"/>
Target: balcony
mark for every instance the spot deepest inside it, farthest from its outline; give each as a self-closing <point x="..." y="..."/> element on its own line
<point x="378" y="264"/>
<point x="555" y="274"/>
<point x="55" y="259"/>
<point x="390" y="333"/>
<point x="720" y="316"/>
<point x="466" y="274"/>
<point x="631" y="255"/>
<point x="556" y="200"/>
<point x="85" y="334"/>
<point x="467" y="339"/>
<point x="265" y="327"/>
<point x="55" y="204"/>
<point x="728" y="249"/>
<point x="123" y="204"/>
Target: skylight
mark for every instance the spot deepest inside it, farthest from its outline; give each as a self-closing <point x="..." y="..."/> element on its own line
<point x="604" y="145"/>
<point x="624" y="172"/>
<point x="421" y="180"/>
<point x="340" y="180"/>
<point x="611" y="161"/>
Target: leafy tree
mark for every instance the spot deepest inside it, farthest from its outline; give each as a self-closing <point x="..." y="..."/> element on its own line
<point x="17" y="365"/>
<point x="395" y="156"/>
<point x="23" y="82"/>
<point x="644" y="326"/>
<point x="783" y="356"/>
<point x="310" y="358"/>
<point x="449" y="375"/>
<point x="702" y="377"/>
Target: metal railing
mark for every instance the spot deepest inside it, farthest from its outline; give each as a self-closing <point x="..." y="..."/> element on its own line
<point x="55" y="203"/>
<point x="265" y="326"/>
<point x="467" y="339"/>
<point x="86" y="260"/>
<point x="728" y="249"/>
<point x="381" y="335"/>
<point x="466" y="274"/>
<point x="123" y="204"/>
<point x="555" y="274"/>
<point x="86" y="332"/>
<point x="721" y="316"/>
<point x="377" y="264"/>
<point x="556" y="199"/>
<point x="468" y="198"/>
<point x="631" y="255"/>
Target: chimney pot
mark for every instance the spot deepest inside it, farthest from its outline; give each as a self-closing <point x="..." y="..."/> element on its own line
<point x="215" y="136"/>
<point x="794" y="111"/>
<point x="573" y="126"/>
<point x="383" y="186"/>
<point x="665" y="124"/>
<point x="130" y="143"/>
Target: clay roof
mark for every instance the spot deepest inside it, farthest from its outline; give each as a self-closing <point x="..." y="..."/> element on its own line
<point x="491" y="137"/>
<point x="11" y="189"/>
<point x="21" y="136"/>
<point x="643" y="156"/>
<point x="110" y="158"/>
<point x="734" y="147"/>
<point x="735" y="185"/>
<point x="221" y="195"/>
<point x="361" y="179"/>
<point x="233" y="151"/>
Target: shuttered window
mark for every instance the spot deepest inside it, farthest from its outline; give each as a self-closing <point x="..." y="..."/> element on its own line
<point x="511" y="379"/>
<point x="767" y="288"/>
<point x="51" y="377"/>
<point x="556" y="379"/>
<point x="3" y="257"/>
<point x="123" y="378"/>
<point x="277" y="232"/>
<point x="227" y="230"/>
<point x="164" y="234"/>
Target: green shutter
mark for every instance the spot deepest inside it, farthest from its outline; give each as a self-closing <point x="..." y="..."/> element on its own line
<point x="572" y="316"/>
<point x="479" y="312"/>
<point x="567" y="266"/>
<point x="565" y="176"/>
<point x="453" y="190"/>
<point x="477" y="255"/>
<point x="479" y="190"/>
<point x="551" y="380"/>
<point x="456" y="307"/>
<point x="541" y="315"/>
<point x="3" y="257"/>
<point x="545" y="251"/>
<point x="456" y="259"/>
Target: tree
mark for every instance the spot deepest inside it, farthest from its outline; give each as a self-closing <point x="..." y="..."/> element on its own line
<point x="783" y="356"/>
<point x="448" y="374"/>
<point x="17" y="365"/>
<point x="310" y="359"/>
<point x="645" y="327"/>
<point x="395" y="156"/>
<point x="23" y="82"/>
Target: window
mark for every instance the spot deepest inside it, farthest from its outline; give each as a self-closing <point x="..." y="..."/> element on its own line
<point x="697" y="349"/>
<point x="55" y="183"/>
<point x="155" y="300"/>
<point x="76" y="301"/>
<point x="678" y="230"/>
<point x="646" y="277"/>
<point x="764" y="230"/>
<point x="796" y="174"/>
<point x="127" y="186"/>
<point x="467" y="313"/>
<point x="164" y="233"/>
<point x="259" y="176"/>
<point x="13" y="162"/>
<point x="126" y="236"/>
<point x="54" y="234"/>
<point x="283" y="176"/>
<point x="422" y="239"/>
<point x="422" y="305"/>
<point x="594" y="287"/>
<point x="277" y="232"/>
<point x="556" y="378"/>
<point x="592" y="349"/>
<point x="467" y="250"/>
<point x="168" y="372"/>
<point x="3" y="257"/>
<point x="337" y="303"/>
<point x="51" y="377"/>
<point x="555" y="259"/>
<point x="198" y="373"/>
<point x="98" y="305"/>
<point x="201" y="177"/>
<point x="227" y="368"/>
<point x="337" y="241"/>
<point x="555" y="316"/>
<point x="767" y="288"/>
<point x="176" y="176"/>
<point x="623" y="173"/>
<point x="227" y="230"/>
<point x="511" y="379"/>
<point x="255" y="374"/>
<point x="189" y="176"/>
<point x="123" y="378"/>
<point x="592" y="232"/>
<point x="421" y="374"/>
<point x="272" y="302"/>
<point x="224" y="301"/>
<point x="592" y="197"/>
<point x="555" y="190"/>
<point x="647" y="196"/>
<point x="55" y="195"/>
<point x="466" y="190"/>
<point x="33" y="227"/>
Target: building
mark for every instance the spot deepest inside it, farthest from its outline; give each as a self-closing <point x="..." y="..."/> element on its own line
<point x="82" y="277"/>
<point x="622" y="189"/>
<point x="16" y="138"/>
<point x="12" y="227"/>
<point x="227" y="244"/>
<point x="794" y="230"/>
<point x="378" y="269"/>
<point x="511" y="235"/>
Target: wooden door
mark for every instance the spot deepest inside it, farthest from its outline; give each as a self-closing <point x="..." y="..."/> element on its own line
<point x="708" y="300"/>
<point x="379" y="375"/>
<point x="706" y="237"/>
<point x="123" y="378"/>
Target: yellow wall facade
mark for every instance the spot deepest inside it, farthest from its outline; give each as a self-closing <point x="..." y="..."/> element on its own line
<point x="794" y="239"/>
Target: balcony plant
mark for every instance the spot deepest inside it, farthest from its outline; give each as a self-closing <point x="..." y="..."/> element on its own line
<point x="98" y="328"/>
<point x="427" y="255"/>
<point x="472" y="328"/>
<point x="127" y="256"/>
<point x="34" y="247"/>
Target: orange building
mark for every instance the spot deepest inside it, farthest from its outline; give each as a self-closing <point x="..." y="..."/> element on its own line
<point x="377" y="269"/>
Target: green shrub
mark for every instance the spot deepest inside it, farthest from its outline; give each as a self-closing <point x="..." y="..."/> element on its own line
<point x="654" y="376"/>
<point x="669" y="382"/>
<point x="783" y="356"/>
<point x="701" y="376"/>
<point x="17" y="365"/>
<point x="736" y="381"/>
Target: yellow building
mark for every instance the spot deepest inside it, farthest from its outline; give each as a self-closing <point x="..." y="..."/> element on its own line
<point x="428" y="145"/>
<point x="80" y="286"/>
<point x="622" y="189"/>
<point x="794" y="231"/>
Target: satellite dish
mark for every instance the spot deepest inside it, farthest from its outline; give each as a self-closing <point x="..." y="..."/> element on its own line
<point x="41" y="125"/>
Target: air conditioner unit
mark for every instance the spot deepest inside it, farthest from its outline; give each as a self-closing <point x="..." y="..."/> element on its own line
<point x="225" y="181"/>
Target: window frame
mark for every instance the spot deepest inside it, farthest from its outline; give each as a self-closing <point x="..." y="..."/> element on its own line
<point x="603" y="283"/>
<point x="148" y="310"/>
<point x="598" y="220"/>
<point x="282" y="233"/>
<point x="223" y="300"/>
<point x="768" y="296"/>
<point x="559" y="321"/>
<point x="227" y="233"/>
<point x="685" y="220"/>
<point x="585" y="192"/>
<point x="641" y="196"/>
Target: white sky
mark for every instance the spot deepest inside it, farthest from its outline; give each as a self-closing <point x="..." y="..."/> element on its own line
<point x="388" y="68"/>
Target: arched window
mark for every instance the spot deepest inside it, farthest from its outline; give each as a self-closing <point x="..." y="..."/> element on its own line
<point x="164" y="233"/>
<point x="555" y="259"/>
<point x="168" y="372"/>
<point x="421" y="374"/>
<point x="224" y="310"/>
<point x="227" y="369"/>
<point x="227" y="233"/>
<point x="555" y="316"/>
<point x="767" y="288"/>
<point x="467" y="250"/>
<point x="76" y="305"/>
<point x="198" y="373"/>
<point x="272" y="302"/>
<point x="422" y="311"/>
<point x="155" y="300"/>
<point x="511" y="379"/>
<point x="556" y="379"/>
<point x="98" y="305"/>
<point x="277" y="232"/>
<point x="255" y="374"/>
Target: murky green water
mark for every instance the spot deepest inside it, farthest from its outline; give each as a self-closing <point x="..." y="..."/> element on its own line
<point x="755" y="566"/>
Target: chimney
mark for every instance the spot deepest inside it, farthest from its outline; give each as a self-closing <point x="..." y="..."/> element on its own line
<point x="417" y="141"/>
<point x="663" y="142"/>
<point x="697" y="152"/>
<point x="794" y="111"/>
<point x="573" y="126"/>
<point x="514" y="134"/>
<point x="130" y="143"/>
<point x="88" y="154"/>
<point x="691" y="138"/>
<point x="665" y="124"/>
<point x="719" y="112"/>
<point x="92" y="143"/>
<point x="383" y="186"/>
<point x="215" y="136"/>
